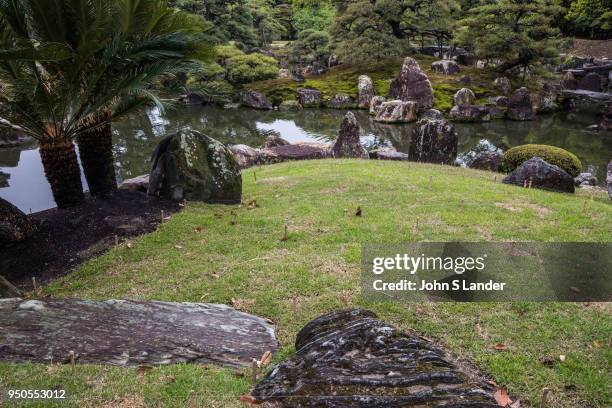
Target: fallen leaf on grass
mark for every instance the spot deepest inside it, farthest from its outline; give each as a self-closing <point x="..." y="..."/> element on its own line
<point x="359" y="212"/>
<point x="144" y="369"/>
<point x="252" y="205"/>
<point x="197" y="229"/>
<point x="491" y="382"/>
<point x="597" y="344"/>
<point x="238" y="374"/>
<point x="500" y="346"/>
<point x="265" y="359"/>
<point x="547" y="361"/>
<point x="502" y="398"/>
<point x="249" y="399"/>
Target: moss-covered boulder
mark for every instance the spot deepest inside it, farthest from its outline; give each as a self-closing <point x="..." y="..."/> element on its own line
<point x="537" y="173"/>
<point x="189" y="165"/>
<point x="516" y="156"/>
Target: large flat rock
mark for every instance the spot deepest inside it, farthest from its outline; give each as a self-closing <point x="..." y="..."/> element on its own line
<point x="131" y="333"/>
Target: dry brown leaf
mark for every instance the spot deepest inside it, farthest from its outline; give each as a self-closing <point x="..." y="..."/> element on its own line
<point x="249" y="399"/>
<point x="265" y="359"/>
<point x="144" y="369"/>
<point x="597" y="344"/>
<point x="502" y="398"/>
<point x="491" y="382"/>
<point x="500" y="346"/>
<point x="359" y="212"/>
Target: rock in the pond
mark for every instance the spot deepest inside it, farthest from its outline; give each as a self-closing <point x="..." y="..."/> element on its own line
<point x="519" y="106"/>
<point x="488" y="160"/>
<point x="585" y="179"/>
<point x="388" y="153"/>
<point x="432" y="114"/>
<point x="255" y="100"/>
<point x="433" y="141"/>
<point x="309" y="98"/>
<point x="464" y="96"/>
<point x="445" y="67"/>
<point x="590" y="82"/>
<point x="348" y="143"/>
<point x="397" y="112"/>
<point x="247" y="156"/>
<point x="470" y="113"/>
<point x="503" y="85"/>
<point x="293" y="106"/>
<point x="139" y="183"/>
<point x="190" y="165"/>
<point x="365" y="88"/>
<point x="609" y="180"/>
<point x="498" y="100"/>
<point x="375" y="104"/>
<point x="15" y="226"/>
<point x="350" y="359"/>
<point x="413" y="85"/>
<point x="274" y="141"/>
<point x="537" y="173"/>
<point x="131" y="333"/>
<point x="545" y="100"/>
<point x="568" y="81"/>
<point x="340" y="101"/>
<point x="495" y="112"/>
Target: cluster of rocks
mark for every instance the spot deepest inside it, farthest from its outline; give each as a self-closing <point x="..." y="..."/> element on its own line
<point x="350" y="358"/>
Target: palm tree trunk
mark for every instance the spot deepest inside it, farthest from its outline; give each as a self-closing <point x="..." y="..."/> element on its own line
<point x="62" y="169"/>
<point x="96" y="152"/>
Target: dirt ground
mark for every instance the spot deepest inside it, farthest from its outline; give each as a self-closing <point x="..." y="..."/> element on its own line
<point x="67" y="238"/>
<point x="591" y="48"/>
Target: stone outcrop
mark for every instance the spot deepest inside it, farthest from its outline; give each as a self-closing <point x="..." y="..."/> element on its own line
<point x="138" y="183"/>
<point x="274" y="141"/>
<point x="388" y="153"/>
<point x="189" y="165"/>
<point x="413" y="85"/>
<point x="15" y="226"/>
<point x="247" y="156"/>
<point x="396" y="112"/>
<point x="309" y="98"/>
<point x="445" y="67"/>
<point x="96" y="332"/>
<point x="340" y="101"/>
<point x="585" y="179"/>
<point x="464" y="96"/>
<point x="498" y="100"/>
<point x="433" y="141"/>
<point x="351" y="359"/>
<point x="348" y="143"/>
<point x="488" y="160"/>
<point x="519" y="106"/>
<point x="432" y="114"/>
<point x="470" y="113"/>
<point x="545" y="100"/>
<point x="255" y="100"/>
<point x="375" y="104"/>
<point x="568" y="81"/>
<point x="536" y="173"/>
<point x="503" y="85"/>
<point x="365" y="88"/>
<point x="590" y="82"/>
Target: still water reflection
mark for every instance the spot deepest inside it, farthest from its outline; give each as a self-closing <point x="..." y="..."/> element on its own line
<point x="137" y="136"/>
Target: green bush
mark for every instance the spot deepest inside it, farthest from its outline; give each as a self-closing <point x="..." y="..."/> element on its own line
<point x="245" y="68"/>
<point x="516" y="156"/>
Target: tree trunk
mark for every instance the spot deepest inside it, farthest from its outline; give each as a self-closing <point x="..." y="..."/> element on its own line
<point x="96" y="152"/>
<point x="61" y="166"/>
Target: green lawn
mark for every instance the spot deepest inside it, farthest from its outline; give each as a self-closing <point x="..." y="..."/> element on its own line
<point x="236" y="255"/>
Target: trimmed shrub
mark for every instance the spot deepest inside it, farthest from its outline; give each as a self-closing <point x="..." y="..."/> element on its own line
<point x="516" y="156"/>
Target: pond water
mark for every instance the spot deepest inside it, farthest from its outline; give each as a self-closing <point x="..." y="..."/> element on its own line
<point x="22" y="181"/>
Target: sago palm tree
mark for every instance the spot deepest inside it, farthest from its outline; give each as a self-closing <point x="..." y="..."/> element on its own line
<point x="71" y="67"/>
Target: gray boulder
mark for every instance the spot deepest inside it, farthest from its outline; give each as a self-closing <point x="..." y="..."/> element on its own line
<point x="590" y="82"/>
<point x="464" y="96"/>
<point x="498" y="100"/>
<point x="309" y="98"/>
<point x="585" y="179"/>
<point x="470" y="113"/>
<point x="537" y="173"/>
<point x="255" y="100"/>
<point x="445" y="67"/>
<point x="365" y="89"/>
<point x="432" y="114"/>
<point x="274" y="141"/>
<point x="396" y="112"/>
<point x="340" y="101"/>
<point x="375" y="104"/>
<point x="519" y="106"/>
<point x="15" y="226"/>
<point x="190" y="165"/>
<point x="388" y="153"/>
<point x="609" y="180"/>
<point x="488" y="160"/>
<point x="139" y="183"/>
<point x="348" y="143"/>
<point x="503" y="85"/>
<point x="413" y="85"/>
<point x="433" y="141"/>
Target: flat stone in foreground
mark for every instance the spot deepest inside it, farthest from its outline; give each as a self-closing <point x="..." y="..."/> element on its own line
<point x="351" y="359"/>
<point x="131" y="333"/>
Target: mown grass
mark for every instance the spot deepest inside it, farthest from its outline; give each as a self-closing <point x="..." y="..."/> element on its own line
<point x="201" y="255"/>
<point x="343" y="79"/>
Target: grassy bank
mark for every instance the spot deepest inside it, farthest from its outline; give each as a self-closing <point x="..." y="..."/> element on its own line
<point x="343" y="79"/>
<point x="235" y="255"/>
